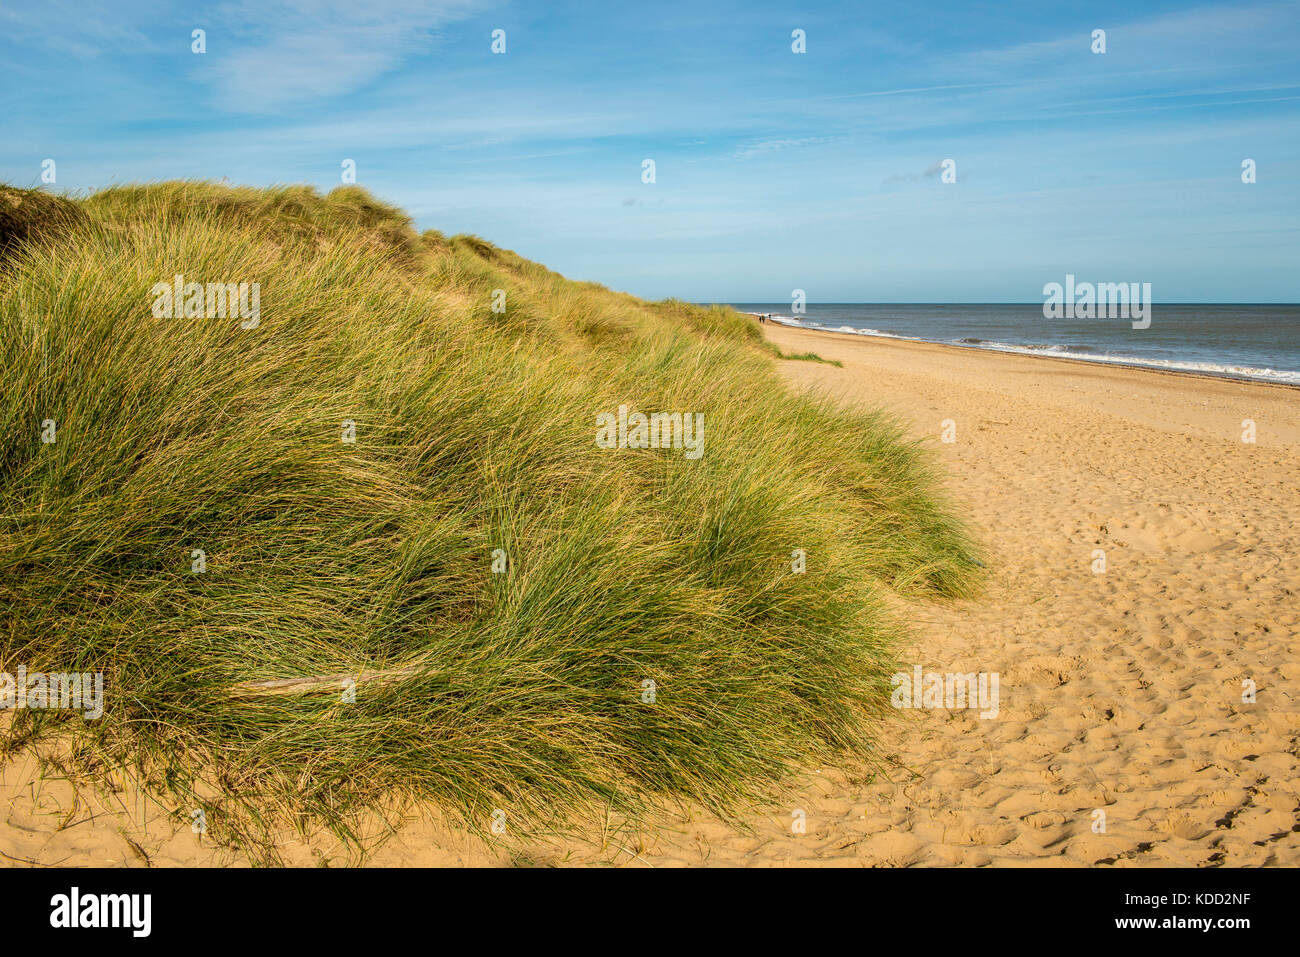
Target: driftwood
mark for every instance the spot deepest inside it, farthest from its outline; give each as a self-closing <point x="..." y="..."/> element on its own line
<point x="316" y="684"/>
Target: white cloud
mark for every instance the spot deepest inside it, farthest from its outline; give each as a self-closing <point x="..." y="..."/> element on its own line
<point x="311" y="50"/>
<point x="764" y="147"/>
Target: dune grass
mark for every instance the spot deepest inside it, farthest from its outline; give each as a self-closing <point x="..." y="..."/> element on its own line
<point x="525" y="690"/>
<point x="777" y="351"/>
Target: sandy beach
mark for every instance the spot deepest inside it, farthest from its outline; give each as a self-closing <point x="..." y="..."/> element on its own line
<point x="1122" y="736"/>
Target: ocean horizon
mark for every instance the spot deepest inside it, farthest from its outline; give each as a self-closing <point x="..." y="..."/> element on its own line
<point x="390" y="482"/>
<point x="1255" y="341"/>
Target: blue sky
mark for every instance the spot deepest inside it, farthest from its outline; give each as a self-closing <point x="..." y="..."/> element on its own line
<point x="774" y="170"/>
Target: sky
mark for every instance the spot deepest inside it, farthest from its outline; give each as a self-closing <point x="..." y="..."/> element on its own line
<point x="774" y="170"/>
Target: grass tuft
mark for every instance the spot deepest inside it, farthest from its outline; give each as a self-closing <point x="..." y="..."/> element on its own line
<point x="774" y="349"/>
<point x="475" y="432"/>
<point x="32" y="216"/>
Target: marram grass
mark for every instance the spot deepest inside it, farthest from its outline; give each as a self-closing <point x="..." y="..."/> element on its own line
<point x="525" y="690"/>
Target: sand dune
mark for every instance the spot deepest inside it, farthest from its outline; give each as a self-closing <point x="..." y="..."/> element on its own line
<point x="1121" y="691"/>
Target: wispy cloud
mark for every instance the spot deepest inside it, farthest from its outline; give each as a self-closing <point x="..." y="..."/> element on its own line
<point x="77" y="29"/>
<point x="313" y="50"/>
<point x="767" y="147"/>
<point x="930" y="172"/>
<point x="1179" y="36"/>
<point x="817" y="167"/>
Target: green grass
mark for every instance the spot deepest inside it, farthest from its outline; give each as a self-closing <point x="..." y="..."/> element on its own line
<point x="475" y="431"/>
<point x="776" y="350"/>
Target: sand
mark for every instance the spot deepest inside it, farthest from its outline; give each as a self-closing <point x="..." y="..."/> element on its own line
<point x="1122" y="737"/>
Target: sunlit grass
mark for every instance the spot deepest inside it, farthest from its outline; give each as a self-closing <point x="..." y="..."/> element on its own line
<point x="475" y="431"/>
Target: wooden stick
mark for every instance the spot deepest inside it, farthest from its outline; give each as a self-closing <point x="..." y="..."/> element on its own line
<point x="275" y="687"/>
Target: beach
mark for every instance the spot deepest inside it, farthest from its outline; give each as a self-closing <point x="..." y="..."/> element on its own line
<point x="1124" y="734"/>
<point x="1122" y="690"/>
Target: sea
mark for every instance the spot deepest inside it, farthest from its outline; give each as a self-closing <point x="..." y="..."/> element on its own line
<point x="1260" y="342"/>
